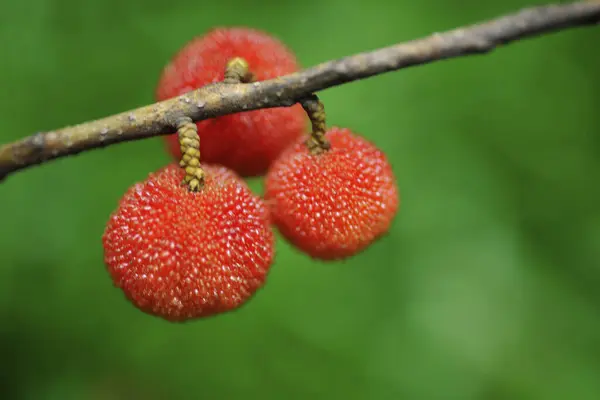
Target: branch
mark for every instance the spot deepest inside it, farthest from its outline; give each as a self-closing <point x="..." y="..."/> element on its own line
<point x="227" y="98"/>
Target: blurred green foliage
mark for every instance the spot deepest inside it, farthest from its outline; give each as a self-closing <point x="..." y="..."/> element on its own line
<point x="486" y="287"/>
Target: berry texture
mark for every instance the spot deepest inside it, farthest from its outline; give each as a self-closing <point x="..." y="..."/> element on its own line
<point x="246" y="142"/>
<point x="334" y="204"/>
<point x="181" y="255"/>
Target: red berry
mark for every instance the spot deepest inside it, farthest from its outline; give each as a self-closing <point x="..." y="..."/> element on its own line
<point x="246" y="142"/>
<point x="334" y="204"/>
<point x="181" y="255"/>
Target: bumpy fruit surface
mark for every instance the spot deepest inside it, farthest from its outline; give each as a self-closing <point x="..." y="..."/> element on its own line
<point x="181" y="255"/>
<point x="334" y="204"/>
<point x="246" y="142"/>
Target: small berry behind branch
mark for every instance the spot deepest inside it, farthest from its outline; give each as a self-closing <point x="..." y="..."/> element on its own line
<point x="179" y="254"/>
<point x="246" y="142"/>
<point x="333" y="204"/>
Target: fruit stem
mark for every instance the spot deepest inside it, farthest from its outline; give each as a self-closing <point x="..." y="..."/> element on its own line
<point x="237" y="71"/>
<point x="189" y="142"/>
<point x="317" y="143"/>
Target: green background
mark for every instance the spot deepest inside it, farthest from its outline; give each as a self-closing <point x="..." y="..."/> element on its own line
<point x="486" y="287"/>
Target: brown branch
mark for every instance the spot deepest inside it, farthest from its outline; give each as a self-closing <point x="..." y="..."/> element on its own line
<point x="227" y="98"/>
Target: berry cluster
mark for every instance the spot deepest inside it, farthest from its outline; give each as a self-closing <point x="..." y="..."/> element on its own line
<point x="192" y="240"/>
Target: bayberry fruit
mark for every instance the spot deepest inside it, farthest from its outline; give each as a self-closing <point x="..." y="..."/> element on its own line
<point x="334" y="204"/>
<point x="246" y="142"/>
<point x="181" y="255"/>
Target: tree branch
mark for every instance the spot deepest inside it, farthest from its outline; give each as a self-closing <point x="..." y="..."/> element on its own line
<point x="228" y="98"/>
